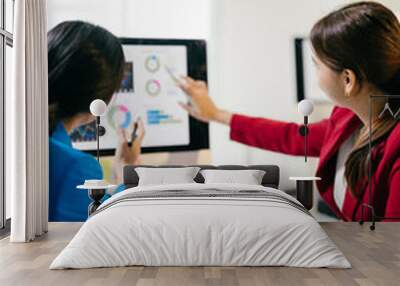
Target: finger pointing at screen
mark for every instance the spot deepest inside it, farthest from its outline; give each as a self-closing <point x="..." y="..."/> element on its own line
<point x="200" y="105"/>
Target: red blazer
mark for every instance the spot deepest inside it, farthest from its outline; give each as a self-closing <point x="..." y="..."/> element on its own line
<point x="325" y="138"/>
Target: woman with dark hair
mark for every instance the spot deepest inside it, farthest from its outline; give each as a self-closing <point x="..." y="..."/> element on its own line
<point x="357" y="54"/>
<point x="85" y="62"/>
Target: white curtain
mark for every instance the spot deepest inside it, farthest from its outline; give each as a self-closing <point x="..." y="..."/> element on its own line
<point x="27" y="123"/>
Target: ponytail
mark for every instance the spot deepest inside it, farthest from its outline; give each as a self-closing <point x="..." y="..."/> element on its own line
<point x="357" y="162"/>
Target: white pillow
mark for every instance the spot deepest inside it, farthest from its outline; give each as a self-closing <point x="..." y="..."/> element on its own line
<point x="248" y="177"/>
<point x="163" y="176"/>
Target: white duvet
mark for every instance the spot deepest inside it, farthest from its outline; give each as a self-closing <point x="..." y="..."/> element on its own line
<point x="200" y="231"/>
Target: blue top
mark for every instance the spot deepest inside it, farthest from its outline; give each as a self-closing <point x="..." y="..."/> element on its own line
<point x="69" y="168"/>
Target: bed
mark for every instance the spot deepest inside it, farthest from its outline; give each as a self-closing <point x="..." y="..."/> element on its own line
<point x="201" y="224"/>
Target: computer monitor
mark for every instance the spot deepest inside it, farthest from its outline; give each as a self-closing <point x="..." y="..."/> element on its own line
<point x="148" y="91"/>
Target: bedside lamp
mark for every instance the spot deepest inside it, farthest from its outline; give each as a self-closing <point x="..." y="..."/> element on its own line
<point x="98" y="108"/>
<point x="96" y="188"/>
<point x="305" y="107"/>
<point x="304" y="185"/>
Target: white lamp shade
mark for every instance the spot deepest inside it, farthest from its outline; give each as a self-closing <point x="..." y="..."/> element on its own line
<point x="98" y="107"/>
<point x="305" y="107"/>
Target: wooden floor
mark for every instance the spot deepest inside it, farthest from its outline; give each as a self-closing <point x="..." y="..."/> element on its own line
<point x="375" y="257"/>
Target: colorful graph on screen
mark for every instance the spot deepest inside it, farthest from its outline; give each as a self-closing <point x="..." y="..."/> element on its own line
<point x="153" y="87"/>
<point x="152" y="63"/>
<point x="147" y="91"/>
<point x="156" y="116"/>
<point x="85" y="133"/>
<point x="127" y="83"/>
<point x="119" y="116"/>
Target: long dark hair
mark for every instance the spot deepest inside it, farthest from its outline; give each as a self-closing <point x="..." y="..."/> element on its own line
<point x="365" y="38"/>
<point x="85" y="62"/>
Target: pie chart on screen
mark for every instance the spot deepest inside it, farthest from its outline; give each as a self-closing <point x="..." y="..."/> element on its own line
<point x="119" y="116"/>
<point x="152" y="63"/>
<point x="153" y="87"/>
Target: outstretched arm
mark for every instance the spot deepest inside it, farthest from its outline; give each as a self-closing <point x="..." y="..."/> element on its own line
<point x="264" y="133"/>
<point x="278" y="136"/>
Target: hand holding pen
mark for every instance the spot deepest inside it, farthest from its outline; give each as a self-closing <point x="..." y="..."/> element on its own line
<point x="130" y="154"/>
<point x="138" y="130"/>
<point x="134" y="132"/>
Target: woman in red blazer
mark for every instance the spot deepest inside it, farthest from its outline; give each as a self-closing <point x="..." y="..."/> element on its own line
<point x="357" y="53"/>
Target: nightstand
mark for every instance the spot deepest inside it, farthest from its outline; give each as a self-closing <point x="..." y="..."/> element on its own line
<point x="304" y="190"/>
<point x="96" y="193"/>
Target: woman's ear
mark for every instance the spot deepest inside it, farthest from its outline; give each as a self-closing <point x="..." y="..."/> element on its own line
<point x="349" y="82"/>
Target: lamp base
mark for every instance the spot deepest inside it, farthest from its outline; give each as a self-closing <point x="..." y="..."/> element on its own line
<point x="304" y="188"/>
<point x="95" y="195"/>
<point x="305" y="193"/>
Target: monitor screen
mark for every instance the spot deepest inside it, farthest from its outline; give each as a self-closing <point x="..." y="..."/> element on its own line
<point x="149" y="91"/>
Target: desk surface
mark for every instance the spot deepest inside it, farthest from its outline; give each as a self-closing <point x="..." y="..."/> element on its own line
<point x="375" y="257"/>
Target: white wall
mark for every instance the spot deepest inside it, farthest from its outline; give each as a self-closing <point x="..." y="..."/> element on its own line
<point x="103" y="12"/>
<point x="138" y="18"/>
<point x="167" y="19"/>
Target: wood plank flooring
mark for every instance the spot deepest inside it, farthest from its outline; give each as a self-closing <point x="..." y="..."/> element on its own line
<point x="375" y="257"/>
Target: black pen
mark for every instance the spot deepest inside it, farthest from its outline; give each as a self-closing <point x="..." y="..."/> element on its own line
<point x="135" y="127"/>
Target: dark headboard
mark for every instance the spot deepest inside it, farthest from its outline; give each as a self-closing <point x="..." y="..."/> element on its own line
<point x="271" y="177"/>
